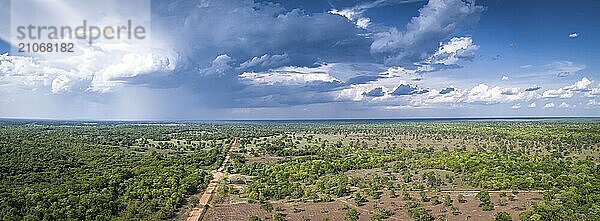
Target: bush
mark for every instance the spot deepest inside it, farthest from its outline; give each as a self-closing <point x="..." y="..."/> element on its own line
<point x="277" y="217"/>
<point x="455" y="211"/>
<point x="351" y="215"/>
<point x="461" y="198"/>
<point x="447" y="200"/>
<point x="382" y="214"/>
<point x="419" y="213"/>
<point x="254" y="218"/>
<point x="486" y="203"/>
<point x="424" y="197"/>
<point x="359" y="199"/>
<point x="502" y="216"/>
<point x="193" y="201"/>
<point x="266" y="206"/>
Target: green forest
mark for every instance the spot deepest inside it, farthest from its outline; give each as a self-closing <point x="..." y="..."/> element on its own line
<point x="70" y="172"/>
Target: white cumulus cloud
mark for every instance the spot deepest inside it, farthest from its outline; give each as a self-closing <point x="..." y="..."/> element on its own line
<point x="437" y="20"/>
<point x="451" y="52"/>
<point x="582" y="85"/>
<point x="288" y="76"/>
<point x="574" y="35"/>
<point x="485" y="94"/>
<point x="564" y="105"/>
<point x="532" y="105"/>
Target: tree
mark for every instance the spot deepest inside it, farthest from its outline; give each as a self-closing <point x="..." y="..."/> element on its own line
<point x="266" y="206"/>
<point x="254" y="218"/>
<point x="447" y="200"/>
<point x="351" y="215"/>
<point x="502" y="216"/>
<point x="419" y="213"/>
<point x="483" y="196"/>
<point x="193" y="201"/>
<point x="359" y="199"/>
<point x="393" y="193"/>
<point x="455" y="211"/>
<point x="424" y="197"/>
<point x="461" y="198"/>
<point x="277" y="217"/>
<point x="486" y="203"/>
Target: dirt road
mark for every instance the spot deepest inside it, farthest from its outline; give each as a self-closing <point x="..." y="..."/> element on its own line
<point x="195" y="214"/>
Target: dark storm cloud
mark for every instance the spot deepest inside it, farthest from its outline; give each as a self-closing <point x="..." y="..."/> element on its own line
<point x="406" y="89"/>
<point x="447" y="90"/>
<point x="533" y="88"/>
<point x="376" y="92"/>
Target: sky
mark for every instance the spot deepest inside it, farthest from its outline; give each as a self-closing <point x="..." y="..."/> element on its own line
<point x="260" y="59"/>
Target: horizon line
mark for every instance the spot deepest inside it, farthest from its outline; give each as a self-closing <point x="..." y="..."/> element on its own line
<point x="303" y="119"/>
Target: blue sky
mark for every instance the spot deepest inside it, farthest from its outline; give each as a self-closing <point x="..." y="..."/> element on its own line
<point x="249" y="59"/>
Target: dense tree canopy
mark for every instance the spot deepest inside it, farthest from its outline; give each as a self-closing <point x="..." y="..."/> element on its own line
<point x="91" y="173"/>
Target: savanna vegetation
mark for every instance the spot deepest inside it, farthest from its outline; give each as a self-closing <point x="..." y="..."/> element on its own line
<point x="421" y="170"/>
<point x="318" y="162"/>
